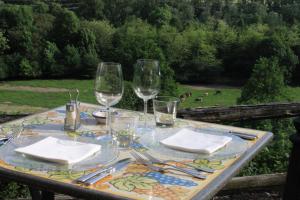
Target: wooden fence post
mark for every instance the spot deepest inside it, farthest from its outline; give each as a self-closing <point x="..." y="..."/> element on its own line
<point x="292" y="187"/>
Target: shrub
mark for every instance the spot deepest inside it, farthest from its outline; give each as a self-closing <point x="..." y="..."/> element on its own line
<point x="3" y="69"/>
<point x="130" y="100"/>
<point x="71" y="60"/>
<point x="89" y="64"/>
<point x="28" y="69"/>
<point x="266" y="85"/>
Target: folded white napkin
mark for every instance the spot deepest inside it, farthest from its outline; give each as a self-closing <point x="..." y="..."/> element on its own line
<point x="60" y="151"/>
<point x="197" y="142"/>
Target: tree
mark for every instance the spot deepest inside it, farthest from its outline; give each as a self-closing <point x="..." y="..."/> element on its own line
<point x="240" y="59"/>
<point x="160" y="16"/>
<point x="72" y="60"/>
<point x="3" y="43"/>
<point x="137" y="39"/>
<point x="13" y="16"/>
<point x="91" y="9"/>
<point x="118" y="11"/>
<point x="103" y="32"/>
<point x="194" y="56"/>
<point x="50" y="65"/>
<point x="266" y="83"/>
<point x="28" y="70"/>
<point x="66" y="27"/>
<point x="279" y="44"/>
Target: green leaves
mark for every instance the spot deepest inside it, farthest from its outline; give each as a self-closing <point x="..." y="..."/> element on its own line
<point x="213" y="164"/>
<point x="129" y="183"/>
<point x="64" y="175"/>
<point x="266" y="83"/>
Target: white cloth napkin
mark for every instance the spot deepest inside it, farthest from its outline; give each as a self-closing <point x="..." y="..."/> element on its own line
<point x="60" y="151"/>
<point x="196" y="142"/>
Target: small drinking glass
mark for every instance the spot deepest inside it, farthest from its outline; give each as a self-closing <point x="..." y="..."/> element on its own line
<point x="165" y="109"/>
<point x="124" y="130"/>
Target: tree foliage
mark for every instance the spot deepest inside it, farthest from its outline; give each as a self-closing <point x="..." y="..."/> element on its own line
<point x="266" y="83"/>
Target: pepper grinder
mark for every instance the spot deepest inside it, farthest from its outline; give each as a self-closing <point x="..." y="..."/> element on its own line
<point x="72" y="119"/>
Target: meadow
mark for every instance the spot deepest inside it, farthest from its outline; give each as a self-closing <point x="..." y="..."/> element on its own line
<point x="45" y="94"/>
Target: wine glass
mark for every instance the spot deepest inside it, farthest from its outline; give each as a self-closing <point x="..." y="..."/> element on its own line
<point x="109" y="87"/>
<point x="146" y="80"/>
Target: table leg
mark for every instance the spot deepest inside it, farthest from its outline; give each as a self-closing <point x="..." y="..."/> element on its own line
<point x="40" y="194"/>
<point x="35" y="193"/>
<point x="292" y="185"/>
<point x="46" y="195"/>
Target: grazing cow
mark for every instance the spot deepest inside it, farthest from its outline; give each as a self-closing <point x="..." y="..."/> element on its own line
<point x="206" y="93"/>
<point x="218" y="92"/>
<point x="182" y="98"/>
<point x="200" y="99"/>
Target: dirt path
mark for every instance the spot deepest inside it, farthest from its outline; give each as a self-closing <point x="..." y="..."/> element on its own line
<point x="31" y="89"/>
<point x="210" y="87"/>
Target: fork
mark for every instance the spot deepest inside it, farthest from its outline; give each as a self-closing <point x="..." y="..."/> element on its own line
<point x="6" y="139"/>
<point x="165" y="162"/>
<point x="150" y="165"/>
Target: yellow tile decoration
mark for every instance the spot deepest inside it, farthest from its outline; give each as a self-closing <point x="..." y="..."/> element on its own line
<point x="135" y="181"/>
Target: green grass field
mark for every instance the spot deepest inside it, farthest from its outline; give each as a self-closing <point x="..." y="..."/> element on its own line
<point x="21" y="96"/>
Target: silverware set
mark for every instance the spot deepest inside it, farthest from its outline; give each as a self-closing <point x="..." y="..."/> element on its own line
<point x="245" y="136"/>
<point x="6" y="139"/>
<point x="93" y="177"/>
<point x="150" y="165"/>
<point x="166" y="162"/>
<point x="149" y="161"/>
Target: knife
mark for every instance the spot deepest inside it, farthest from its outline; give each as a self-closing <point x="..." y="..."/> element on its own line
<point x="115" y="168"/>
<point x="84" y="178"/>
<point x="245" y="136"/>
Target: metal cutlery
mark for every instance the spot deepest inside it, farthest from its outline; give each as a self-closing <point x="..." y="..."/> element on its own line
<point x="101" y="171"/>
<point x="246" y="136"/>
<point x="117" y="167"/>
<point x="6" y="139"/>
<point x="150" y="165"/>
<point x="165" y="162"/>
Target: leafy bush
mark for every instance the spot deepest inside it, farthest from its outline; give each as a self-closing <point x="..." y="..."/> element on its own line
<point x="3" y="69"/>
<point x="12" y="190"/>
<point x="273" y="158"/>
<point x="130" y="99"/>
<point x="28" y="70"/>
<point x="266" y="85"/>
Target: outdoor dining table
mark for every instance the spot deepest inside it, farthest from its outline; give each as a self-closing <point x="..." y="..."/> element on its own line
<point x="135" y="181"/>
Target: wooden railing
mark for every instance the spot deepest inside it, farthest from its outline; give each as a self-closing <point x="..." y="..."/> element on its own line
<point x="241" y="112"/>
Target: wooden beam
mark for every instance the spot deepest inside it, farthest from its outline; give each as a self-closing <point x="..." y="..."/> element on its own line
<point x="242" y="112"/>
<point x="256" y="182"/>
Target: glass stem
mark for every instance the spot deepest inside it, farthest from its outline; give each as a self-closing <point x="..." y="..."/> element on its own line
<point x="145" y="111"/>
<point x="108" y="121"/>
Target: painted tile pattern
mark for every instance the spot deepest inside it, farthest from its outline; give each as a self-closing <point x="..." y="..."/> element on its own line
<point x="135" y="181"/>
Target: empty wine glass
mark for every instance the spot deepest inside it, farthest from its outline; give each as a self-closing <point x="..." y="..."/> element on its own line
<point x="109" y="87"/>
<point x="146" y="80"/>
